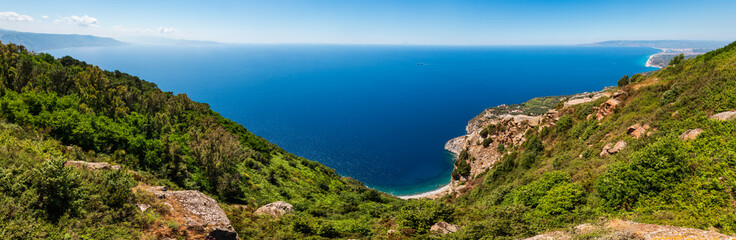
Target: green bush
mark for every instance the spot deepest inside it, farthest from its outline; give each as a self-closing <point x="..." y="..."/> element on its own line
<point x="529" y="195"/>
<point x="487" y="142"/>
<point x="57" y="187"/>
<point x="677" y="59"/>
<point x="562" y="198"/>
<point x="490" y="129"/>
<point x="462" y="168"/>
<point x="623" y="81"/>
<point x="670" y="95"/>
<point x="657" y="167"/>
<point x="420" y="215"/>
<point x="564" y="123"/>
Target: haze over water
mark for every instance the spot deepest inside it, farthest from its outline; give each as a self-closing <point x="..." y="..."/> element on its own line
<point x="371" y="112"/>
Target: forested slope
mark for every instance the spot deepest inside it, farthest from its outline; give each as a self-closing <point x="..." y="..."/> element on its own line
<point x="55" y="110"/>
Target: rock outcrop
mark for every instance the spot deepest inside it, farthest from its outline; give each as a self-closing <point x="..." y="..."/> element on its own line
<point x="275" y="209"/>
<point x="196" y="211"/>
<point x="637" y="130"/>
<point x="619" y="229"/>
<point x="610" y="105"/>
<point x="607" y="108"/>
<point x="724" y="116"/>
<point x="584" y="98"/>
<point x="93" y="165"/>
<point x="608" y="150"/>
<point x="442" y="227"/>
<point x="456" y="145"/>
<point x="510" y="123"/>
<point x="691" y="134"/>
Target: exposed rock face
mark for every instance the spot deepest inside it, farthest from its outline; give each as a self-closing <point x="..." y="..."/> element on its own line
<point x="618" y="229"/>
<point x="456" y="145"/>
<point x="608" y="150"/>
<point x="198" y="210"/>
<point x="93" y="165"/>
<point x="443" y="228"/>
<point x="607" y="108"/>
<point x="691" y="134"/>
<point x="620" y="94"/>
<point x="275" y="209"/>
<point x="583" y="98"/>
<point x="724" y="116"/>
<point x="511" y="124"/>
<point x="637" y="130"/>
<point x="651" y="231"/>
<point x="610" y="105"/>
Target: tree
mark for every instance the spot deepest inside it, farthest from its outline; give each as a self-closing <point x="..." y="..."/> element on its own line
<point x="677" y="59"/>
<point x="623" y="81"/>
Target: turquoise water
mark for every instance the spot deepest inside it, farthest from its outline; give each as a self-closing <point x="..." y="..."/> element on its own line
<point x="371" y="112"/>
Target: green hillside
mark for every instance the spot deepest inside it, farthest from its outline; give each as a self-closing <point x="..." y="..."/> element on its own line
<point x="557" y="179"/>
<point x="56" y="110"/>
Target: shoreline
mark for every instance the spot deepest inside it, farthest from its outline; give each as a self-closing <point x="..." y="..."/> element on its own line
<point x="649" y="60"/>
<point x="431" y="194"/>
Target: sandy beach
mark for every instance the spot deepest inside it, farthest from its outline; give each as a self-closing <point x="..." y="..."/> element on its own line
<point x="431" y="194"/>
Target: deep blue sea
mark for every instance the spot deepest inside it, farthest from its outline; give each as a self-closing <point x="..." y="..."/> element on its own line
<point x="371" y="112"/>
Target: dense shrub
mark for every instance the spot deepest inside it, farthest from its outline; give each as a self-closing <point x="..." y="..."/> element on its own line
<point x="623" y="81"/>
<point x="670" y="95"/>
<point x="564" y="123"/>
<point x="490" y="130"/>
<point x="529" y="195"/>
<point x="487" y="142"/>
<point x="657" y="167"/>
<point x="562" y="198"/>
<point x="420" y="215"/>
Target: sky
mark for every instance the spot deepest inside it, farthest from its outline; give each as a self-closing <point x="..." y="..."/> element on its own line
<point x="425" y="22"/>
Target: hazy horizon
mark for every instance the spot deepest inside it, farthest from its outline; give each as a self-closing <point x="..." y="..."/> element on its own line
<point x="458" y="23"/>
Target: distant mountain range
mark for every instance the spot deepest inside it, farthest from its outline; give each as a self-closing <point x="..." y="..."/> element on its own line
<point x="691" y="44"/>
<point x="47" y="41"/>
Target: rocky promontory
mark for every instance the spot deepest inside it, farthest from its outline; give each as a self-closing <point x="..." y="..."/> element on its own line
<point x="497" y="129"/>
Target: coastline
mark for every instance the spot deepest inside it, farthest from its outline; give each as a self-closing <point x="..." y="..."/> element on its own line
<point x="431" y="194"/>
<point x="649" y="62"/>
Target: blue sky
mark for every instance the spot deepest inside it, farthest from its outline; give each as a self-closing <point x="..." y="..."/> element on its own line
<point x="448" y="22"/>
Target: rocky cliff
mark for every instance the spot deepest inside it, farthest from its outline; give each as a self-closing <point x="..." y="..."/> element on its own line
<point x="496" y="130"/>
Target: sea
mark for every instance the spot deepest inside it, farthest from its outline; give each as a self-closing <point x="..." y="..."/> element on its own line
<point x="380" y="114"/>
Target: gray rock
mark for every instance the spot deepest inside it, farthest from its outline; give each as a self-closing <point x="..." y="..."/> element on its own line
<point x="620" y="145"/>
<point x="275" y="209"/>
<point x="691" y="134"/>
<point x="443" y="228"/>
<point x="143" y="207"/>
<point x="199" y="210"/>
<point x="456" y="145"/>
<point x="637" y="130"/>
<point x="93" y="165"/>
<point x="724" y="116"/>
<point x="608" y="150"/>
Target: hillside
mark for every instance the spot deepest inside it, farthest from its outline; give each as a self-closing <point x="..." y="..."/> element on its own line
<point x="60" y="110"/>
<point x="657" y="149"/>
<point x="47" y="41"/>
<point x="93" y="154"/>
